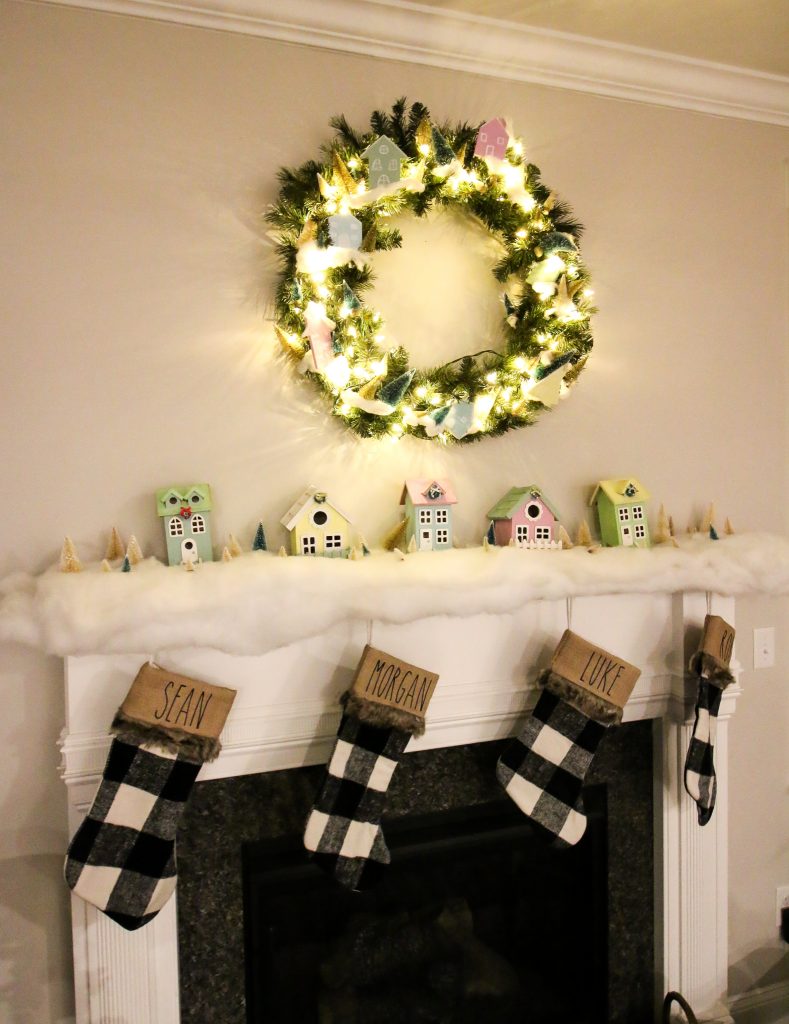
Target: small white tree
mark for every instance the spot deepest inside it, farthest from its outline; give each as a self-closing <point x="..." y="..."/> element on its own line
<point x="662" y="533"/>
<point x="115" y="548"/>
<point x="134" y="551"/>
<point x="69" y="559"/>
<point x="584" y="537"/>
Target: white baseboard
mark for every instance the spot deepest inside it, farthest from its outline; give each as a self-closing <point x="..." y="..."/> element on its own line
<point x="768" y="1005"/>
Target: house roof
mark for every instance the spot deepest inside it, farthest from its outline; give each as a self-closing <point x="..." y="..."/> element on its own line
<point x="385" y="138"/>
<point x="614" y="490"/>
<point x="183" y="494"/>
<point x="495" y="121"/>
<point x="415" y="489"/>
<point x="515" y="497"/>
<point x="298" y="506"/>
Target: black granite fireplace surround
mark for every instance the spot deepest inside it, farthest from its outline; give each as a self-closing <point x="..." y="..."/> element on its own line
<point x="498" y="949"/>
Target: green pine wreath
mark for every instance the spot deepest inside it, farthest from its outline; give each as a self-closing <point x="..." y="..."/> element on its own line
<point x="333" y="214"/>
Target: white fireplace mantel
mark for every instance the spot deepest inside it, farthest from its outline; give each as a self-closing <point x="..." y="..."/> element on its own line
<point x="286" y="714"/>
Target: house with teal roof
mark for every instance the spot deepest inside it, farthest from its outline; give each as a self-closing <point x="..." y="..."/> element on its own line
<point x="186" y="515"/>
<point x="525" y="518"/>
<point x="622" y="512"/>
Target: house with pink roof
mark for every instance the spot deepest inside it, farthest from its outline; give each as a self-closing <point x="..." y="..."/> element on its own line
<point x="428" y="513"/>
<point x="492" y="139"/>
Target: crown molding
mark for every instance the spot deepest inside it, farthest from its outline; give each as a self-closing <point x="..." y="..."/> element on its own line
<point x="416" y="34"/>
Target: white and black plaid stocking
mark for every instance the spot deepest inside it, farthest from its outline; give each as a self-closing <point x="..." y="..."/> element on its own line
<point x="122" y="857"/>
<point x="700" y="780"/>
<point x="343" y="829"/>
<point x="543" y="770"/>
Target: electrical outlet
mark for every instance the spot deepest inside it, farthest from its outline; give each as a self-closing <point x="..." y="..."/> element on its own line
<point x="764" y="647"/>
<point x="781" y="902"/>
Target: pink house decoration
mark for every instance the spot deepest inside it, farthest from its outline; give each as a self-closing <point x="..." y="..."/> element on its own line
<point x="492" y="139"/>
<point x="526" y="517"/>
<point x="318" y="328"/>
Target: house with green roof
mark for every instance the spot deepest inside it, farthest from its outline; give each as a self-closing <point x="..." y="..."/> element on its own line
<point x="186" y="514"/>
<point x="525" y="518"/>
<point x="622" y="512"/>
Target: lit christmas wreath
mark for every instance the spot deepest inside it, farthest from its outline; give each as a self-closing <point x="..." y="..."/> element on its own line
<point x="332" y="215"/>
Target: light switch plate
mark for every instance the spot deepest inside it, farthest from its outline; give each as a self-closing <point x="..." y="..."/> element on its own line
<point x="764" y="647"/>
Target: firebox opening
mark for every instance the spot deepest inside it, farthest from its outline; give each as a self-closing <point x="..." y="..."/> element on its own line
<point x="478" y="918"/>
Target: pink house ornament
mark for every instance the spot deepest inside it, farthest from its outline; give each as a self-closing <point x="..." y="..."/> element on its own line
<point x="318" y="328"/>
<point x="492" y="139"/>
<point x="525" y="518"/>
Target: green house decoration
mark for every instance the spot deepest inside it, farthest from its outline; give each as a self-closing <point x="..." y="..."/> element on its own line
<point x="384" y="162"/>
<point x="622" y="512"/>
<point x="186" y="515"/>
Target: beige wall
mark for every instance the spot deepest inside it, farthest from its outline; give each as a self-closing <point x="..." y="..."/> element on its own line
<point x="136" y="159"/>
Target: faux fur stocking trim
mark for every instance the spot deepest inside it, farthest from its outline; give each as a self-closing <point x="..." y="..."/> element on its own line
<point x="177" y="741"/>
<point x="702" y="664"/>
<point x="589" y="704"/>
<point x="382" y="715"/>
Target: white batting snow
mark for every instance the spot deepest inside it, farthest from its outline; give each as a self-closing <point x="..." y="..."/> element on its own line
<point x="259" y="601"/>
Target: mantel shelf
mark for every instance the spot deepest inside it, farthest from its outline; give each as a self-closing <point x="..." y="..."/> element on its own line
<point x="260" y="602"/>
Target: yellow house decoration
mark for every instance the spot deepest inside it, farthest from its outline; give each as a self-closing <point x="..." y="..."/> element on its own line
<point x="317" y="527"/>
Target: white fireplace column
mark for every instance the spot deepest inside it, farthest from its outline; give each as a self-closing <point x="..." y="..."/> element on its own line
<point x="286" y="715"/>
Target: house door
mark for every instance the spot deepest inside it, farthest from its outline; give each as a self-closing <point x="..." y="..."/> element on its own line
<point x="627" y="536"/>
<point x="189" y="550"/>
<point x="425" y="540"/>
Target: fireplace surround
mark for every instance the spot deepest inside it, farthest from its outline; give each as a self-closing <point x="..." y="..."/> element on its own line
<point x="454" y="836"/>
<point x="286" y="715"/>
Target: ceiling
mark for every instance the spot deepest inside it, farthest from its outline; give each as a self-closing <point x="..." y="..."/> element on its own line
<point x="744" y="33"/>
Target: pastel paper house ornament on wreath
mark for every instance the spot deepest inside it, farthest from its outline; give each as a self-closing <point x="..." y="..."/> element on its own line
<point x="622" y="512"/>
<point x="384" y="162"/>
<point x="428" y="514"/>
<point x="345" y="231"/>
<point x="492" y="139"/>
<point x="318" y="328"/>
<point x="525" y="517"/>
<point x="317" y="527"/>
<point x="186" y="516"/>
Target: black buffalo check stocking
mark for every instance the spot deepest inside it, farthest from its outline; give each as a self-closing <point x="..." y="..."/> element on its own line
<point x="711" y="669"/>
<point x="544" y="768"/>
<point x="383" y="709"/>
<point x="122" y="857"/>
<point x="343" y="829"/>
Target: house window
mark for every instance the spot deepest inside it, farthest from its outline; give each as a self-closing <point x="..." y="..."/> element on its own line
<point x="624" y="515"/>
<point x="333" y="541"/>
<point x="638" y="511"/>
<point x="521" y="534"/>
<point x="441" y="515"/>
<point x="424" y="516"/>
<point x="533" y="510"/>
<point x="640" y="531"/>
<point x="442" y="536"/>
<point x="198" y="524"/>
<point x="542" y="533"/>
<point x="308" y="545"/>
<point x="319" y="517"/>
<point x="176" y="528"/>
